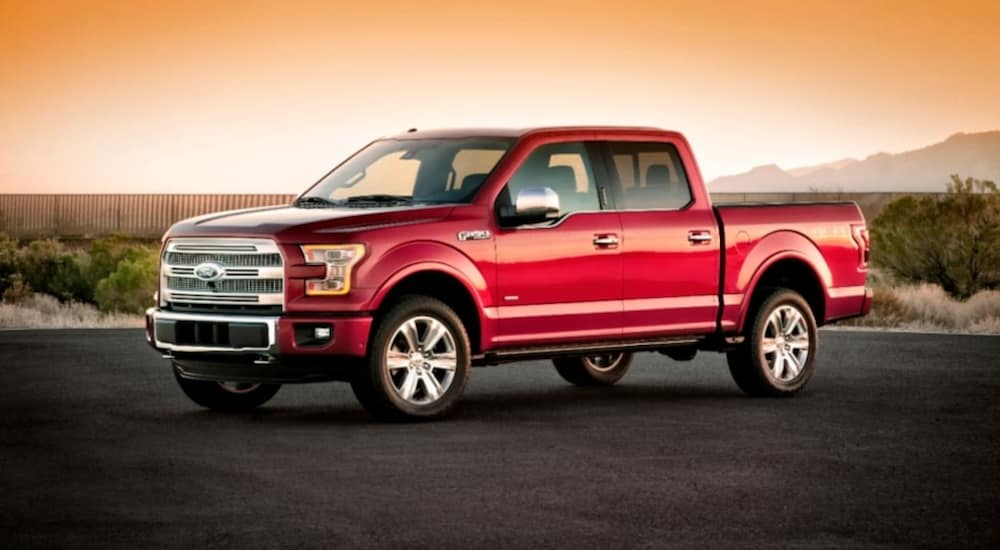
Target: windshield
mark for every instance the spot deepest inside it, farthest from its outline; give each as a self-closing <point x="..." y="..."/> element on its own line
<point x="421" y="171"/>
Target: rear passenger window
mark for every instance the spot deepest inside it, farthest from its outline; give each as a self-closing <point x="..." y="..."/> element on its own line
<point x="650" y="176"/>
<point x="564" y="168"/>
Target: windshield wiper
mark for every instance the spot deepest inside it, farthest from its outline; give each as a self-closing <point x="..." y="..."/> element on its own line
<point x="380" y="198"/>
<point x="315" y="201"/>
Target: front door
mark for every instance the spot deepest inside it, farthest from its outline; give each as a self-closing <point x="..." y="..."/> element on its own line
<point x="559" y="281"/>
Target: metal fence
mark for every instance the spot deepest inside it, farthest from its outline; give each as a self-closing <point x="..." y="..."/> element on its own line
<point x="33" y="216"/>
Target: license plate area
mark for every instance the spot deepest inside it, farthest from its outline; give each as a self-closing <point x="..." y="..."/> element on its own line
<point x="212" y="334"/>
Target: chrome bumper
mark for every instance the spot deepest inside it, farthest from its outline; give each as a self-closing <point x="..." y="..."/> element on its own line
<point x="157" y="318"/>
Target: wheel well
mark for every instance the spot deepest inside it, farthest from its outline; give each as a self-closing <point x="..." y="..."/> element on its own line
<point x="794" y="275"/>
<point x="444" y="287"/>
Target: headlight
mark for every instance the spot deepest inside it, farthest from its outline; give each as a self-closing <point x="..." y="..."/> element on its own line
<point x="339" y="260"/>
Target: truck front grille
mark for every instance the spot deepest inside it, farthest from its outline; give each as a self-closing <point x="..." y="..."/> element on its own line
<point x="222" y="274"/>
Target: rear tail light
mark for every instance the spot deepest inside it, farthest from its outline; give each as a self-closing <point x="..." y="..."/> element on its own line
<point x="860" y="234"/>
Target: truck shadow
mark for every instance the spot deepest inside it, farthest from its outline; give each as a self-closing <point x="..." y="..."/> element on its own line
<point x="500" y="406"/>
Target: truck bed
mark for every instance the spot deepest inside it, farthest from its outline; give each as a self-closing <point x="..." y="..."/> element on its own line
<point x="822" y="237"/>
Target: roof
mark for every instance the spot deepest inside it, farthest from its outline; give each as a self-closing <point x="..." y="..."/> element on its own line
<point x="521" y="132"/>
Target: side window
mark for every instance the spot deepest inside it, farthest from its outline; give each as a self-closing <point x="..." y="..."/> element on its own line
<point x="563" y="167"/>
<point x="650" y="176"/>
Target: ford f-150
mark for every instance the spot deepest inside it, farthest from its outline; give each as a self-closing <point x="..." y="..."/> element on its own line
<point x="430" y="252"/>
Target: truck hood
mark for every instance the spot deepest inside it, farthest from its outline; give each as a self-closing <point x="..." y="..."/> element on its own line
<point x="293" y="223"/>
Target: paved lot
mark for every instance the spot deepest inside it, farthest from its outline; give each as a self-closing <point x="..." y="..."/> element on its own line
<point x="894" y="444"/>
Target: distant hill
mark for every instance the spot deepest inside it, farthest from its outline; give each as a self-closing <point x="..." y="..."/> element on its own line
<point x="926" y="169"/>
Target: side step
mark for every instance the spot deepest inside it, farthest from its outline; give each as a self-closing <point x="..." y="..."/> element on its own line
<point x="546" y="352"/>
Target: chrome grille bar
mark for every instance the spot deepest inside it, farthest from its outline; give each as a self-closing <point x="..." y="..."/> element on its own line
<point x="235" y="286"/>
<point x="223" y="259"/>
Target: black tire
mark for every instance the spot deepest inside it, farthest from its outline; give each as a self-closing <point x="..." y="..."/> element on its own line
<point x="383" y="387"/>
<point x="221" y="396"/>
<point x="783" y="372"/>
<point x="594" y="370"/>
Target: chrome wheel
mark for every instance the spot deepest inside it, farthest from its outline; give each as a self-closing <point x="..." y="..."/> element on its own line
<point x="238" y="387"/>
<point x="421" y="360"/>
<point x="604" y="362"/>
<point x="785" y="343"/>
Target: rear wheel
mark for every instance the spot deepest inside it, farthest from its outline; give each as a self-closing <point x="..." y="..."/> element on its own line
<point x="778" y="355"/>
<point x="418" y="362"/>
<point x="226" y="396"/>
<point x="594" y="370"/>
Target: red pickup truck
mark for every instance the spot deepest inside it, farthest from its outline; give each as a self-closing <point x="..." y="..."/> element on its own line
<point x="430" y="252"/>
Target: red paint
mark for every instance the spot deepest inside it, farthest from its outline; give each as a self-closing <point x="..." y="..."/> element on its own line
<point x="553" y="284"/>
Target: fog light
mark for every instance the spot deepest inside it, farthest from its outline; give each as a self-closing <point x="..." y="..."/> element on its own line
<point x="313" y="334"/>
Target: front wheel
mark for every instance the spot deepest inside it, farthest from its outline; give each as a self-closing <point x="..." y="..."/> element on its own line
<point x="226" y="396"/>
<point x="418" y="362"/>
<point x="594" y="370"/>
<point x="778" y="355"/>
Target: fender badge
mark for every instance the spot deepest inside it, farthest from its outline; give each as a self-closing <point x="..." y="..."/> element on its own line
<point x="477" y="235"/>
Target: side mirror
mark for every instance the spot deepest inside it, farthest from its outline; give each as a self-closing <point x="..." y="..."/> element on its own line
<point x="534" y="205"/>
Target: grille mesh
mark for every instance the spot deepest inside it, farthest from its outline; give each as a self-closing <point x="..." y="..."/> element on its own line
<point x="225" y="260"/>
<point x="234" y="286"/>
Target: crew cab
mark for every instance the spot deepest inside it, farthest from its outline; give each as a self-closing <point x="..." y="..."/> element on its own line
<point x="430" y="252"/>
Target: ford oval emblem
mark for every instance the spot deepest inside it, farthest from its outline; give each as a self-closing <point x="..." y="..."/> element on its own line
<point x="209" y="271"/>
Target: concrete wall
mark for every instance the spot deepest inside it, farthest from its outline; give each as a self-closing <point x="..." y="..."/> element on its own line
<point x="34" y="216"/>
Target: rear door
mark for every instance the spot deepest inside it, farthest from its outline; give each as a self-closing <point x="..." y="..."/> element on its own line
<point x="670" y="244"/>
<point x="559" y="281"/>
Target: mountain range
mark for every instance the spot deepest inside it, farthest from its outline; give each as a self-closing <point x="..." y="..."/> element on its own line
<point x="925" y="169"/>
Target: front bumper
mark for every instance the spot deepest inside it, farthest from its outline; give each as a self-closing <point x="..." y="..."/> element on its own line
<point x="255" y="348"/>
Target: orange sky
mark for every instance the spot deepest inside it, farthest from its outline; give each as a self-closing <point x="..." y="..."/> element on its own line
<point x="252" y="96"/>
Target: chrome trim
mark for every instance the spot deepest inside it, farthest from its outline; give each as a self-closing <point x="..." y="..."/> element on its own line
<point x="534" y="201"/>
<point x="699" y="237"/>
<point x="271" y="322"/>
<point x="216" y="250"/>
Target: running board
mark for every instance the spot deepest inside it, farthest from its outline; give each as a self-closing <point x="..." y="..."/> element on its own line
<point x="546" y="352"/>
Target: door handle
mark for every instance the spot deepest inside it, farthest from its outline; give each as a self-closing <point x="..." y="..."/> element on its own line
<point x="606" y="240"/>
<point x="699" y="237"/>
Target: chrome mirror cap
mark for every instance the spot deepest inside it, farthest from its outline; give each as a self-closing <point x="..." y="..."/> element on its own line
<point x="540" y="202"/>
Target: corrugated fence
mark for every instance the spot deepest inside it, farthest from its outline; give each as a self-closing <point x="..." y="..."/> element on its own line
<point x="32" y="216"/>
<point x="28" y="216"/>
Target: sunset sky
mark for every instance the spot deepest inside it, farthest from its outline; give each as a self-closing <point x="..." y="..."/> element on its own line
<point x="263" y="97"/>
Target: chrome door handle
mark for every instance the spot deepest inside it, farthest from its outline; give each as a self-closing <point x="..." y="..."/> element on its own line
<point x="605" y="240"/>
<point x="698" y="237"/>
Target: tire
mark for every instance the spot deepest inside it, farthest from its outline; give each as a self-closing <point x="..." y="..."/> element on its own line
<point x="594" y="370"/>
<point x="418" y="362"/>
<point x="778" y="355"/>
<point x="226" y="396"/>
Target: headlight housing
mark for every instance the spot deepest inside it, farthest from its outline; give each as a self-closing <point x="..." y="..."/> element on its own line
<point x="339" y="259"/>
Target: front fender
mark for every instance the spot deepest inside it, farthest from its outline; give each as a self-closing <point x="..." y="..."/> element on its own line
<point x="407" y="259"/>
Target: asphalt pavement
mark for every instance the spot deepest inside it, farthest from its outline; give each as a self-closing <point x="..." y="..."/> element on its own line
<point x="893" y="444"/>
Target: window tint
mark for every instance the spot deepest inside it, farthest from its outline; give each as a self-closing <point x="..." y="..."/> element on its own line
<point x="651" y="175"/>
<point x="564" y="168"/>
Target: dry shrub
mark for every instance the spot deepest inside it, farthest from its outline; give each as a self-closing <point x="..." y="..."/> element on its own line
<point x="929" y="307"/>
<point x="887" y="311"/>
<point x="44" y="311"/>
<point x="18" y="291"/>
